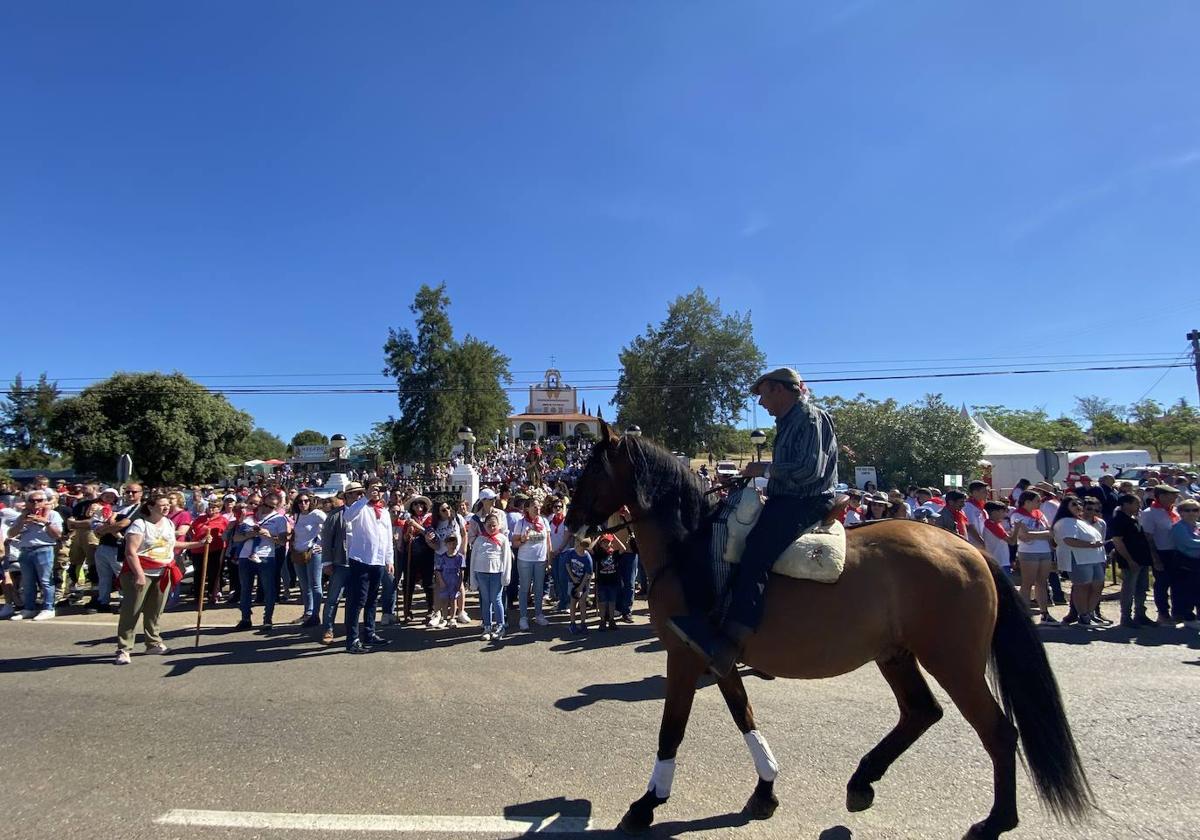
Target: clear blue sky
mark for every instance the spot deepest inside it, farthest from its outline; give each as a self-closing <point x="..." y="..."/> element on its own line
<point x="258" y="188"/>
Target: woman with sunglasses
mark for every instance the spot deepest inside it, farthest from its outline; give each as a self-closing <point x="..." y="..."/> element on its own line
<point x="447" y="523"/>
<point x="38" y="530"/>
<point x="305" y="552"/>
<point x="1084" y="545"/>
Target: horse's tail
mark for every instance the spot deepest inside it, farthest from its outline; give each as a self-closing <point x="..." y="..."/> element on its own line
<point x="1029" y="694"/>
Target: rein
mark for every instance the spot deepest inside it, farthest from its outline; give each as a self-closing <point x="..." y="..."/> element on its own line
<point x="734" y="483"/>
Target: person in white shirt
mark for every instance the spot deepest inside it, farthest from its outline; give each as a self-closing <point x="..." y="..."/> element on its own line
<point x="255" y="539"/>
<point x="306" y="555"/>
<point x="147" y="574"/>
<point x="975" y="509"/>
<point x="1080" y="540"/>
<point x="370" y="550"/>
<point x="491" y="568"/>
<point x="531" y="537"/>
<point x="36" y="532"/>
<point x="997" y="538"/>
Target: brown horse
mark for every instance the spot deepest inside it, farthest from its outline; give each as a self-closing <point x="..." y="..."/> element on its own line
<point x="878" y="611"/>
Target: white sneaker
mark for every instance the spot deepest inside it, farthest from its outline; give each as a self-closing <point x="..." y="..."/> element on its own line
<point x="438" y="622"/>
<point x="6" y="612"/>
<point x="454" y="622"/>
<point x="122" y="658"/>
<point x="44" y="615"/>
<point x="524" y="624"/>
<point x="497" y="633"/>
<point x="156" y="650"/>
<point x="433" y="619"/>
<point x="541" y="621"/>
<point x="24" y="614"/>
<point x="487" y="636"/>
<point x="463" y="618"/>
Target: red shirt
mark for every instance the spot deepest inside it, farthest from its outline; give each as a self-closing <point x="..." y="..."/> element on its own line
<point x="209" y="523"/>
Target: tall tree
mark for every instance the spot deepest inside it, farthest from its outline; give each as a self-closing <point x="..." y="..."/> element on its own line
<point x="25" y="413"/>
<point x="1150" y="427"/>
<point x="173" y="427"/>
<point x="1185" y="421"/>
<point x="688" y="374"/>
<point x="262" y="445"/>
<point x="309" y="437"/>
<point x="380" y="440"/>
<point x="1103" y="418"/>
<point x="920" y="442"/>
<point x="442" y="383"/>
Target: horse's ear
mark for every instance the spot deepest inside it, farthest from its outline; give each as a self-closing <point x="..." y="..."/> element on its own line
<point x="607" y="437"/>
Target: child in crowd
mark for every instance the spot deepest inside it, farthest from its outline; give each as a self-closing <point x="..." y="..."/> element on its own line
<point x="608" y="581"/>
<point x="448" y="571"/>
<point x="578" y="565"/>
<point x="996" y="537"/>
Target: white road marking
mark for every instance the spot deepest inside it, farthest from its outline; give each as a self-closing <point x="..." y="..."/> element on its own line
<point x="553" y="824"/>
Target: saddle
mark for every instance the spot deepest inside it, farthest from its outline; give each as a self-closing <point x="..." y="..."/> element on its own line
<point x="819" y="553"/>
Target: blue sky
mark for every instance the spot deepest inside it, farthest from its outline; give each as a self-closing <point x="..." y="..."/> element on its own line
<point x="257" y="189"/>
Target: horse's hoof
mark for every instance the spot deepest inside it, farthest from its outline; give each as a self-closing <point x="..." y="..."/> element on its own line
<point x="982" y="831"/>
<point x="634" y="823"/>
<point x="759" y="807"/>
<point x="859" y="798"/>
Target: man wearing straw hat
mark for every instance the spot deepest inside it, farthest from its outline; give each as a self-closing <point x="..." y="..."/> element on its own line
<point x="800" y="492"/>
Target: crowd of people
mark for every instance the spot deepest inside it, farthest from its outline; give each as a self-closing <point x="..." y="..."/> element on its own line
<point x="374" y="548"/>
<point x="371" y="546"/>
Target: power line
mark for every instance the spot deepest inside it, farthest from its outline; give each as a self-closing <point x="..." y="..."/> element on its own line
<point x="341" y="390"/>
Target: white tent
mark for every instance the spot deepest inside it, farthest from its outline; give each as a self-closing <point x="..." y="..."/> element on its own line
<point x="1010" y="461"/>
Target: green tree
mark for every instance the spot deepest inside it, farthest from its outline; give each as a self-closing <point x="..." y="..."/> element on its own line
<point x="309" y="437"/>
<point x="1151" y="427"/>
<point x="379" y="441"/>
<point x="442" y="383"/>
<point x="262" y="445"/>
<point x="25" y="413"/>
<point x="688" y="375"/>
<point x="1185" y="422"/>
<point x="176" y="431"/>
<point x="1065" y="434"/>
<point x="920" y="442"/>
<point x="1103" y="419"/>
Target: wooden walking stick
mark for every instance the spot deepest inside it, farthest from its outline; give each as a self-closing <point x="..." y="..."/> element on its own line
<point x="408" y="577"/>
<point x="200" y="598"/>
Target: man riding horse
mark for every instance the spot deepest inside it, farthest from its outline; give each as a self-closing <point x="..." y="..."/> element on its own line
<point x="800" y="492"/>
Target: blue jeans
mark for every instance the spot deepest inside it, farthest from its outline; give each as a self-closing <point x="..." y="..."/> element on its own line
<point x="390" y="589"/>
<point x="491" y="598"/>
<point x="531" y="571"/>
<point x="363" y="593"/>
<point x="265" y="572"/>
<point x="310" y="585"/>
<point x="338" y="576"/>
<point x="562" y="583"/>
<point x="627" y="564"/>
<point x="108" y="566"/>
<point x="37" y="567"/>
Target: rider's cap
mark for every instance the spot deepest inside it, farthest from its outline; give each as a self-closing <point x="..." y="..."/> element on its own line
<point x="784" y="374"/>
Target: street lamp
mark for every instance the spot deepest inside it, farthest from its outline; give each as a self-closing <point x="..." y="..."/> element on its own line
<point x="468" y="438"/>
<point x="759" y="438"/>
<point x="338" y="444"/>
<point x="634" y="431"/>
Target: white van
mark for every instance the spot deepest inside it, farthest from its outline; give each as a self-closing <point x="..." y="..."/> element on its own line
<point x="1097" y="464"/>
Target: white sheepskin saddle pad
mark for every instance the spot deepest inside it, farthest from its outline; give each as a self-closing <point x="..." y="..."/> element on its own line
<point x="819" y="554"/>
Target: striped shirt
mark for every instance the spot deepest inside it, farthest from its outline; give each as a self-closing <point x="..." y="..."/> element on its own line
<point x="804" y="459"/>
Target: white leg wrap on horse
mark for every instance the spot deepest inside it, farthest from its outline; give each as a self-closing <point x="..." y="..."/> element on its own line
<point x="764" y="759"/>
<point x="662" y="778"/>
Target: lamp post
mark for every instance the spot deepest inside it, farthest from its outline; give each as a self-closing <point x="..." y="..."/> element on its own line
<point x="338" y="443"/>
<point x="468" y="438"/>
<point x="634" y="431"/>
<point x="759" y="438"/>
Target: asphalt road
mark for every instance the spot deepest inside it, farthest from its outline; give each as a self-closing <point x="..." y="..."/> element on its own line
<point x="547" y="729"/>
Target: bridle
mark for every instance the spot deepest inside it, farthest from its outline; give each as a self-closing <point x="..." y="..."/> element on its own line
<point x="735" y="483"/>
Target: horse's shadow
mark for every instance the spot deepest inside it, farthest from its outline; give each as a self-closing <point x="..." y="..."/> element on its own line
<point x="571" y="818"/>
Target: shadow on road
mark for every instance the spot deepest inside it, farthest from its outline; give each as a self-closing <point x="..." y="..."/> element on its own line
<point x="647" y="688"/>
<point x="566" y="813"/>
<point x="1073" y="634"/>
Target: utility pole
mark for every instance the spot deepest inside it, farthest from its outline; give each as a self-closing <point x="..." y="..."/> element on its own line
<point x="1194" y="337"/>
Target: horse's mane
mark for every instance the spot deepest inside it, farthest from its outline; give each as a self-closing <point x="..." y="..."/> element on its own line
<point x="672" y="495"/>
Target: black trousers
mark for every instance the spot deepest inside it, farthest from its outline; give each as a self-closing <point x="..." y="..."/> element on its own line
<point x="422" y="570"/>
<point x="781" y="521"/>
<point x="361" y="597"/>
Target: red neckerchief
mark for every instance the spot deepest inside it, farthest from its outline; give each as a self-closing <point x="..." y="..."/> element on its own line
<point x="960" y="521"/>
<point x="1036" y="515"/>
<point x="494" y="540"/>
<point x="106" y="510"/>
<point x="977" y="503"/>
<point x="1171" y="512"/>
<point x="378" y="508"/>
<point x="997" y="529"/>
<point x="557" y="520"/>
<point x="937" y="501"/>
<point x="535" y="523"/>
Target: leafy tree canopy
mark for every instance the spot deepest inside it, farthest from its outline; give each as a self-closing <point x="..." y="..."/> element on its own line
<point x="1033" y="427"/>
<point x="175" y="429"/>
<point x="309" y="437"/>
<point x="688" y="375"/>
<point x="442" y="383"/>
<point x="25" y="413"/>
